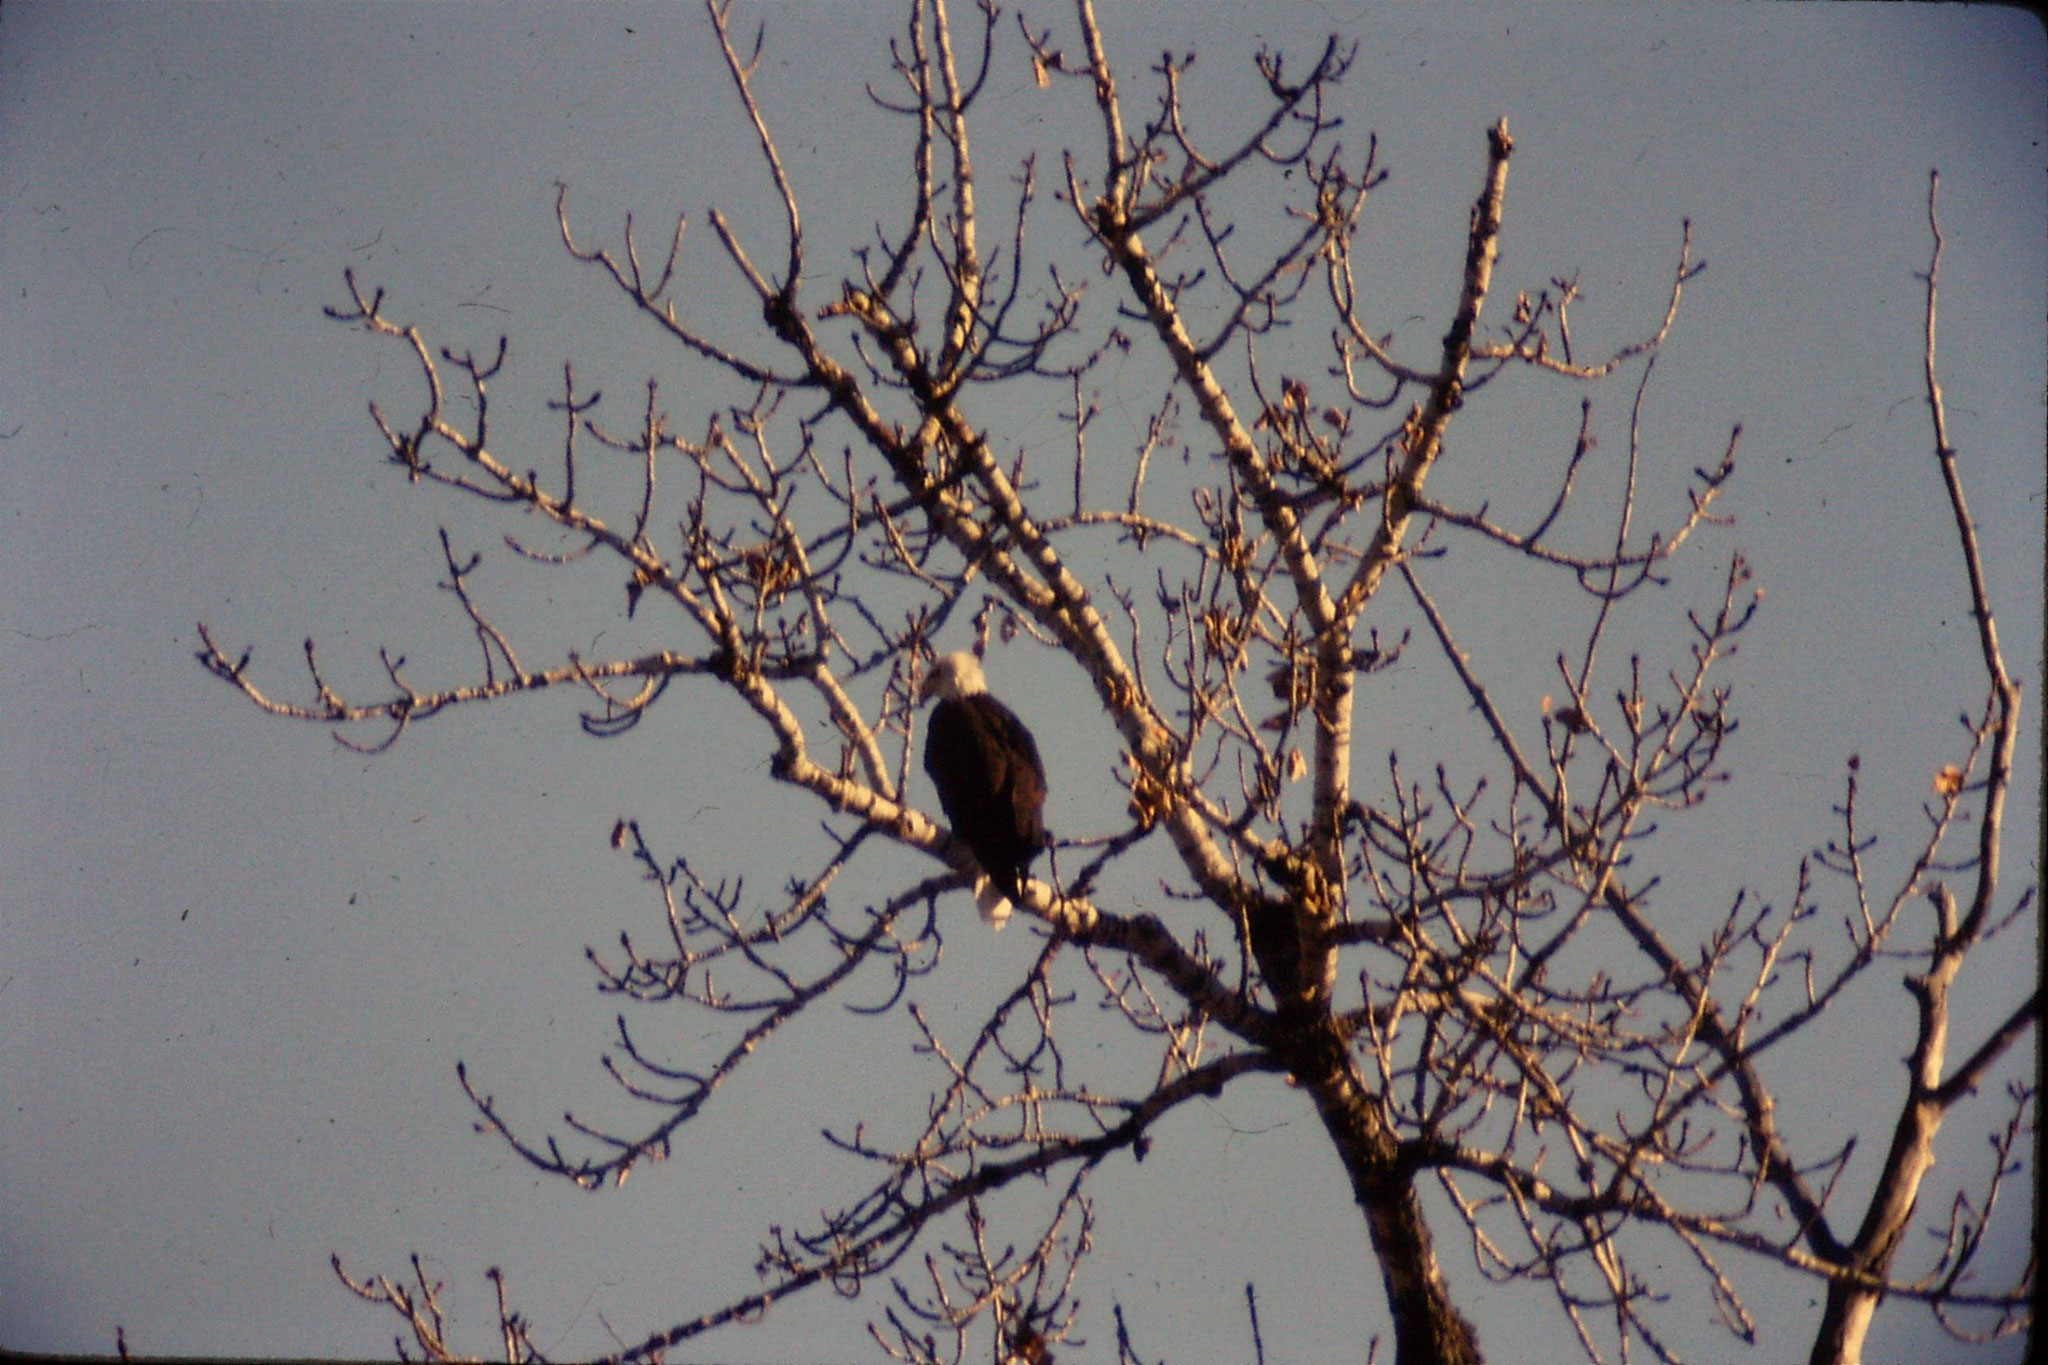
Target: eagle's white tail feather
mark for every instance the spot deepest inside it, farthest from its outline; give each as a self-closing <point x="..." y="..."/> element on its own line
<point x="994" y="906"/>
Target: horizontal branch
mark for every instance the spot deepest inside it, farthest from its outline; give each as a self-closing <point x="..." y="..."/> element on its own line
<point x="408" y="703"/>
<point x="875" y="1250"/>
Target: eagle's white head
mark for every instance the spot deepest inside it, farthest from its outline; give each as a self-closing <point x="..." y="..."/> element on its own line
<point x="954" y="676"/>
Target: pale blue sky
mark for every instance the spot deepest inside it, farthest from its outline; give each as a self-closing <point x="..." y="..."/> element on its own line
<point x="238" y="965"/>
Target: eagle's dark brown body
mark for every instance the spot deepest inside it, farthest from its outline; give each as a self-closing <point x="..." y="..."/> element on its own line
<point x="990" y="779"/>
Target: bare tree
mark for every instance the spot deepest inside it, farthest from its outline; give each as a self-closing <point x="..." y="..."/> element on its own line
<point x="1464" y="969"/>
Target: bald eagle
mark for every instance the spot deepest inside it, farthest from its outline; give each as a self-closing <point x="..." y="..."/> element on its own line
<point x="990" y="780"/>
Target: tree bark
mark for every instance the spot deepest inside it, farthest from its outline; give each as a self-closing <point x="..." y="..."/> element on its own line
<point x="1428" y="1328"/>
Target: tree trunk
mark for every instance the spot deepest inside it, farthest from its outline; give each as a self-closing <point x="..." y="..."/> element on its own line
<point x="1428" y="1328"/>
<point x="1846" y="1320"/>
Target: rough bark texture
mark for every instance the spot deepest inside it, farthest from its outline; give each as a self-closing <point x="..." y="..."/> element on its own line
<point x="1428" y="1328"/>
